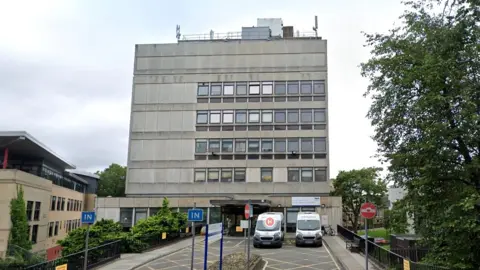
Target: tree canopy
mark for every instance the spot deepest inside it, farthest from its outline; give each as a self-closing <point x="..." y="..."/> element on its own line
<point x="355" y="187"/>
<point x="19" y="234"/>
<point x="112" y="181"/>
<point x="425" y="90"/>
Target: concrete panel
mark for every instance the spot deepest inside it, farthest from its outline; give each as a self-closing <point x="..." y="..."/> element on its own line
<point x="226" y="134"/>
<point x="141" y="176"/>
<point x="158" y="150"/>
<point x="151" y="121"/>
<point x="165" y="93"/>
<point x="231" y="61"/>
<point x="205" y="76"/>
<point x="138" y="121"/>
<point x="280" y="174"/>
<point x="253" y="175"/>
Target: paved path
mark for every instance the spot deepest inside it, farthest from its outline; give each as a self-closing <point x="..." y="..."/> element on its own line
<point x="287" y="257"/>
<point x="346" y="259"/>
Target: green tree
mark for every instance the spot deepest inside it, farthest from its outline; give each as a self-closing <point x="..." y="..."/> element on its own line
<point x="112" y="181"/>
<point x="396" y="219"/>
<point x="19" y="234"/>
<point x="425" y="90"/>
<point x="354" y="187"/>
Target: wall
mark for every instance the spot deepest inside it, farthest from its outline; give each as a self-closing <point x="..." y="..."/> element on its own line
<point x="35" y="189"/>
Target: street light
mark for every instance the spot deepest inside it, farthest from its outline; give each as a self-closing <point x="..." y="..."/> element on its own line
<point x="5" y="154"/>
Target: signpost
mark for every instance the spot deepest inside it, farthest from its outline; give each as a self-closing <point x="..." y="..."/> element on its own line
<point x="193" y="216"/>
<point x="214" y="233"/>
<point x="248" y="216"/>
<point x="368" y="211"/>
<point x="244" y="226"/>
<point x="87" y="218"/>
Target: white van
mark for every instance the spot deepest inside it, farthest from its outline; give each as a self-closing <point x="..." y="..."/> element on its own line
<point x="309" y="229"/>
<point x="268" y="230"/>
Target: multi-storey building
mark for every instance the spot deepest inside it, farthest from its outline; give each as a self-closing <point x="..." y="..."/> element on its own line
<point x="54" y="197"/>
<point x="227" y="119"/>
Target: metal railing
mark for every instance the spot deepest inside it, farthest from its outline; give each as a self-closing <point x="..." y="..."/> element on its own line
<point x="96" y="256"/>
<point x="382" y="256"/>
<point x="238" y="35"/>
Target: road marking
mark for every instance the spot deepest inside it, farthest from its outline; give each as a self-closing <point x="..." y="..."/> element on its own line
<point x="329" y="253"/>
<point x="238" y="244"/>
<point x="265" y="266"/>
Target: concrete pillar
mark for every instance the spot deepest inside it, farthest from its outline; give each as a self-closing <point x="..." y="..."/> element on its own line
<point x="208" y="215"/>
<point x="285" y="218"/>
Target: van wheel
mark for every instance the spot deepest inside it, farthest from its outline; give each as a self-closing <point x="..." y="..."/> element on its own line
<point x="280" y="245"/>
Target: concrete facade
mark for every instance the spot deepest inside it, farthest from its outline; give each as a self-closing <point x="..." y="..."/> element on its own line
<point x="162" y="154"/>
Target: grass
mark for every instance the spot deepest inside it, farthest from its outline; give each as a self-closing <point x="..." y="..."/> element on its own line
<point x="378" y="232"/>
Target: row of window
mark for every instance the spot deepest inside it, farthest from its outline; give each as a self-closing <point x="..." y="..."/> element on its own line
<point x="261" y="88"/>
<point x="68" y="225"/>
<point x="62" y="180"/>
<point x="277" y="145"/>
<point x="35" y="211"/>
<point x="263" y="156"/>
<point x="58" y="204"/>
<point x="259" y="99"/>
<point x="260" y="127"/>
<point x="293" y="116"/>
<point x="236" y="175"/>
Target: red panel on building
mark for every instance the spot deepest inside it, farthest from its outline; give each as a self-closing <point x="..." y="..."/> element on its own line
<point x="54" y="253"/>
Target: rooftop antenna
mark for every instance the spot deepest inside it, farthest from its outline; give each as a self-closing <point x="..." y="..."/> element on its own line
<point x="178" y="32"/>
<point x="316" y="26"/>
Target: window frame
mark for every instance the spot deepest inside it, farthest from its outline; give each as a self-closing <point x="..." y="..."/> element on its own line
<point x="306" y="112"/>
<point x="243" y="172"/>
<point x="320" y="112"/>
<point x="306" y="170"/>
<point x="280" y="84"/>
<point x="218" y="87"/>
<point x="320" y="140"/>
<point x="203" y="85"/>
<point x="291" y="112"/>
<point x="213" y="171"/>
<point x="250" y="141"/>
<point x="291" y="141"/>
<point x="265" y="172"/>
<point x="201" y="141"/>
<point x="215" y="141"/>
<point x="230" y="113"/>
<point x="280" y="141"/>
<point x="216" y="114"/>
<point x="198" y="172"/>
<point x="324" y="171"/>
<point x="226" y="142"/>
<point x="267" y="141"/>
<point x="320" y="89"/>
<point x="241" y="112"/>
<point x="254" y="112"/>
<point x="280" y="112"/>
<point x="238" y="86"/>
<point x="241" y="141"/>
<point x="306" y="84"/>
<point x="254" y="86"/>
<point x="266" y="113"/>
<point x="306" y="145"/>
<point x="292" y="84"/>
<point x="269" y="86"/>
<point x="226" y="170"/>
<point x="202" y="113"/>
<point x="297" y="174"/>
<point x="230" y="86"/>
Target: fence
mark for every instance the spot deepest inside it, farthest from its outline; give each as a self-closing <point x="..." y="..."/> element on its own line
<point x="96" y="256"/>
<point x="382" y="256"/>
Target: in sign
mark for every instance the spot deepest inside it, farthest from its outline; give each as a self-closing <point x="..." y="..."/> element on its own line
<point x="368" y="210"/>
<point x="88" y="217"/>
<point x="195" y="215"/>
<point x="269" y="222"/>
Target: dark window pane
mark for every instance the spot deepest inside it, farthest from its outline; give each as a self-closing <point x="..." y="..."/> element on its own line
<point x="214" y="146"/>
<point x="227" y="175"/>
<point x="319" y="116"/>
<point x="319" y="87"/>
<point x="319" y="98"/>
<point x="306" y="98"/>
<point x="280" y="99"/>
<point x="266" y="175"/>
<point x="293" y="145"/>
<point x="202" y="90"/>
<point x="202" y="100"/>
<point x="307" y="145"/>
<point x="320" y="145"/>
<point x="280" y="145"/>
<point x="201" y="146"/>
<point x="215" y="100"/>
<point x="241" y="99"/>
<point x="254" y="99"/>
<point x="213" y="175"/>
<point x="307" y="175"/>
<point x="216" y="89"/>
<point x="279" y="116"/>
<point x="292" y="88"/>
<point x="227" y="146"/>
<point x="267" y="145"/>
<point x="306" y="116"/>
<point x="292" y="117"/>
<point x="320" y="175"/>
<point x="306" y="87"/>
<point x="239" y="175"/>
<point x="280" y="88"/>
<point x="293" y="175"/>
<point x="241" y="89"/>
<point x="229" y="100"/>
<point x="253" y="146"/>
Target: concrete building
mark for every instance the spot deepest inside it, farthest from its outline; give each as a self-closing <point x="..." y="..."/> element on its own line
<point x="54" y="197"/>
<point x="223" y="118"/>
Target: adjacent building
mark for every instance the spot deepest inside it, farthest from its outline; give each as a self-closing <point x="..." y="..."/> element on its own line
<point x="54" y="195"/>
<point x="221" y="119"/>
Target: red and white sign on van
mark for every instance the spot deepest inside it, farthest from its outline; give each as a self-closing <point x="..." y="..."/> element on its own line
<point x="269" y="222"/>
<point x="368" y="210"/>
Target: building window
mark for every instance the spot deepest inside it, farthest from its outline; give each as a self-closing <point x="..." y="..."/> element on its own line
<point x="54" y="201"/>
<point x="280" y="145"/>
<point x="292" y="88"/>
<point x="292" y="117"/>
<point x="34" y="234"/>
<point x="280" y="88"/>
<point x="307" y="175"/>
<point x="240" y="146"/>
<point x="306" y="116"/>
<point x="319" y="87"/>
<point x="241" y="89"/>
<point x="280" y="117"/>
<point x="267" y="145"/>
<point x="227" y="146"/>
<point x="199" y="175"/>
<point x="202" y="89"/>
<point x="68" y="204"/>
<point x="202" y="117"/>
<point x="267" y="116"/>
<point x="36" y="213"/>
<point x="59" y="203"/>
<point x="50" y="229"/>
<point x="56" y="228"/>
<point x="239" y="175"/>
<point x="320" y="145"/>
<point x="215" y="117"/>
<point x="253" y="146"/>
<point x="320" y="175"/>
<point x="29" y="210"/>
<point x="307" y="145"/>
<point x="216" y="89"/>
<point x="293" y="175"/>
<point x="266" y="174"/>
<point x="213" y="175"/>
<point x="267" y="88"/>
<point x="241" y="117"/>
<point x="319" y="116"/>
<point x="228" y="90"/>
<point x="214" y="146"/>
<point x="293" y="145"/>
<point x="228" y="117"/>
<point x="254" y="88"/>
<point x="254" y="117"/>
<point x="226" y="175"/>
<point x="201" y="146"/>
<point x="306" y="87"/>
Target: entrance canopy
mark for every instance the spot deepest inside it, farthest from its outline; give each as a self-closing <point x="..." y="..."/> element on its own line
<point x="239" y="202"/>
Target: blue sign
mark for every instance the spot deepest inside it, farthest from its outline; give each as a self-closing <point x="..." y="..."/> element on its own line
<point x="88" y="217"/>
<point x="195" y="215"/>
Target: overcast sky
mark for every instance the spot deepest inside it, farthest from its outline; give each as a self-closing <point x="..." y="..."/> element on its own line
<point x="66" y="66"/>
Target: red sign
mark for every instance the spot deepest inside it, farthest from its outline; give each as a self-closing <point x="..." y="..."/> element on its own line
<point x="269" y="222"/>
<point x="248" y="212"/>
<point x="368" y="210"/>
